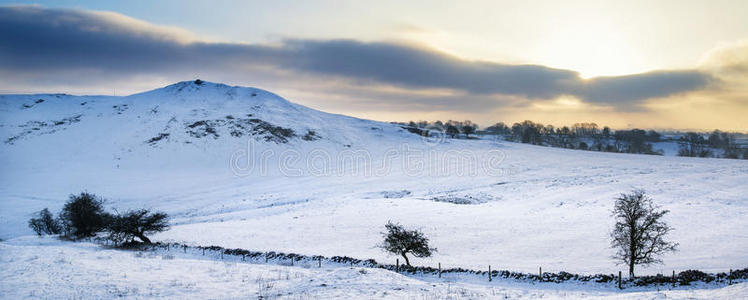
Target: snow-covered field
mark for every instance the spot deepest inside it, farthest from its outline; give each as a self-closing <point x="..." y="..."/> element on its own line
<point x="331" y="192"/>
<point x="47" y="268"/>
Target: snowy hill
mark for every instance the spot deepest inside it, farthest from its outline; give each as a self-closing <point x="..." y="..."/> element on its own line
<point x="245" y="168"/>
<point x="72" y="142"/>
<point x="201" y="114"/>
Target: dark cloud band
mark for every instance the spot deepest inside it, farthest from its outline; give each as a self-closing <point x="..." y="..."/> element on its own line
<point x="35" y="39"/>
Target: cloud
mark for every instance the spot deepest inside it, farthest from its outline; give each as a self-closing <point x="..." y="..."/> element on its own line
<point x="410" y="66"/>
<point x="38" y="42"/>
<point x="634" y="88"/>
<point x="728" y="61"/>
<point x="35" y="38"/>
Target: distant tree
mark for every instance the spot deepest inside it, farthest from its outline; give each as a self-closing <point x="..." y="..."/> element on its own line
<point x="715" y="139"/>
<point x="400" y="241"/>
<point x="585" y="129"/>
<point x="45" y="223"/>
<point x="452" y="131"/>
<point x="454" y="123"/>
<point x="531" y="132"/>
<point x="83" y="215"/>
<point x="498" y="128"/>
<point x="725" y="141"/>
<point x="693" y="144"/>
<point x="468" y="130"/>
<point x="633" y="141"/>
<point x="731" y="153"/>
<point x="548" y="130"/>
<point x="639" y="232"/>
<point x="528" y="132"/>
<point x="653" y="136"/>
<point x="606" y="132"/>
<point x="136" y="224"/>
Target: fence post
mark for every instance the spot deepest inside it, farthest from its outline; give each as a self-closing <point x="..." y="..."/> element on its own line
<point x="440" y="270"/>
<point x="397" y="265"/>
<point x="184" y="248"/>
<point x="319" y="262"/>
<point x="729" y="278"/>
<point x="266" y="258"/>
<point x="540" y="273"/>
<point x="221" y="254"/>
<point x="292" y="261"/>
<point x="243" y="257"/>
<point x="489" y="273"/>
<point x="351" y="264"/>
<point x="673" y="278"/>
<point x="619" y="281"/>
<point x="203" y="251"/>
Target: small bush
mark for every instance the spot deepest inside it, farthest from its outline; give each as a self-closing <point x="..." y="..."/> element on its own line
<point x="310" y="136"/>
<point x="686" y="277"/>
<point x="44" y="223"/>
<point x="83" y="215"/>
<point x="658" y="279"/>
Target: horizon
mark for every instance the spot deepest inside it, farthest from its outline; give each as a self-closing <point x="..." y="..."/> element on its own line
<point x="662" y="66"/>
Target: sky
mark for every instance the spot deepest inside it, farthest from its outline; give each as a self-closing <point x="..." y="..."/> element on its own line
<point x="625" y="64"/>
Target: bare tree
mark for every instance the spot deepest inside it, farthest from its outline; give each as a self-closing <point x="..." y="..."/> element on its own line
<point x="138" y="223"/>
<point x="400" y="241"/>
<point x="639" y="233"/>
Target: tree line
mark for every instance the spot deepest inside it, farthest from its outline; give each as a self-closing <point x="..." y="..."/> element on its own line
<point x="590" y="136"/>
<point x="696" y="145"/>
<point x="451" y="128"/>
<point x="583" y="136"/>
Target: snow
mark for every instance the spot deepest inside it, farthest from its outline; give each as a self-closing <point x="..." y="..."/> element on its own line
<point x="531" y="206"/>
<point x="48" y="268"/>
